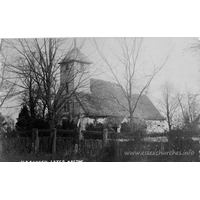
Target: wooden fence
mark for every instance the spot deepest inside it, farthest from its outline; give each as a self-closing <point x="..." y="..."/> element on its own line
<point x="93" y="143"/>
<point x="55" y="141"/>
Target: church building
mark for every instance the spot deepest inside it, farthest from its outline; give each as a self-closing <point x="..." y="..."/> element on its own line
<point x="91" y="98"/>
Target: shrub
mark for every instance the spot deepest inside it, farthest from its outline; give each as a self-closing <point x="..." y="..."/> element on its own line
<point x="40" y="124"/>
<point x="68" y="124"/>
<point x="125" y="127"/>
<point x="109" y="153"/>
<point x="138" y="126"/>
<point x="95" y="127"/>
<point x="12" y="134"/>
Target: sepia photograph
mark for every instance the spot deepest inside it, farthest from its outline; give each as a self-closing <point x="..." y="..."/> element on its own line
<point x="100" y="99"/>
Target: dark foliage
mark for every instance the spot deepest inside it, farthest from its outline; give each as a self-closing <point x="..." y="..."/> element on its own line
<point x="11" y="134"/>
<point x="113" y="121"/>
<point x="67" y="133"/>
<point x="26" y="122"/>
<point x="138" y="127"/>
<point x="125" y="127"/>
<point x="95" y="127"/>
<point x="68" y="124"/>
<point x="40" y="123"/>
<point x="24" y="119"/>
<point x="95" y="135"/>
<point x="109" y="153"/>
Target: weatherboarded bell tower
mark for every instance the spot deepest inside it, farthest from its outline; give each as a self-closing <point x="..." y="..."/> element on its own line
<point x="75" y="72"/>
<point x="75" y="80"/>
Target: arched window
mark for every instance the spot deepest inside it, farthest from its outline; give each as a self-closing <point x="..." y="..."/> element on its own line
<point x="65" y="107"/>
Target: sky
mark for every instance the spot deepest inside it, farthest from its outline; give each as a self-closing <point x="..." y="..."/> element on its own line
<point x="181" y="69"/>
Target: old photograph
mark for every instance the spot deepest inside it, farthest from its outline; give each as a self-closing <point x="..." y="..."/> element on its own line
<point x="101" y="99"/>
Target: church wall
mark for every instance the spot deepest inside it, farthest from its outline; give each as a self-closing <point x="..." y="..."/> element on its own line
<point x="78" y="76"/>
<point x="82" y="78"/>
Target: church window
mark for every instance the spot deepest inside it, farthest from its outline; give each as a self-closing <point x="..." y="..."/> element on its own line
<point x="65" y="107"/>
<point x="66" y="67"/>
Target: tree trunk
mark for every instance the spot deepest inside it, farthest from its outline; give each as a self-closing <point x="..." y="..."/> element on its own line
<point x="168" y="119"/>
<point x="136" y="134"/>
<point x="169" y="123"/>
<point x="170" y="126"/>
<point x="51" y="120"/>
<point x="131" y="123"/>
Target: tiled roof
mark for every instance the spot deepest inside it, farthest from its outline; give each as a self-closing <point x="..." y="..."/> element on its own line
<point x="101" y="102"/>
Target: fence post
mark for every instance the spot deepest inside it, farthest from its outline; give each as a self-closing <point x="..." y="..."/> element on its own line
<point x="36" y="141"/>
<point x="33" y="141"/>
<point x="76" y="148"/>
<point x="80" y="134"/>
<point x="54" y="141"/>
<point x="105" y="138"/>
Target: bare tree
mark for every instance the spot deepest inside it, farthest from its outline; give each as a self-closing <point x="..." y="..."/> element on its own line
<point x="36" y="64"/>
<point x="6" y="88"/>
<point x="131" y="79"/>
<point x="168" y="103"/>
<point x="190" y="109"/>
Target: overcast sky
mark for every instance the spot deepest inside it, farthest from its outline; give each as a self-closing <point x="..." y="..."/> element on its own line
<point x="182" y="68"/>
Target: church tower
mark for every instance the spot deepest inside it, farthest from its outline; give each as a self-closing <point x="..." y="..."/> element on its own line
<point x="75" y="72"/>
